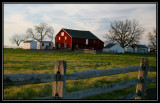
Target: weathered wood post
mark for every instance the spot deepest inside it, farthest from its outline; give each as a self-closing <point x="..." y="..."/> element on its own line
<point x="143" y="78"/>
<point x="59" y="84"/>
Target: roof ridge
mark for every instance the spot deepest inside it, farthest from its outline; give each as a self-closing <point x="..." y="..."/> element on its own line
<point x="76" y="29"/>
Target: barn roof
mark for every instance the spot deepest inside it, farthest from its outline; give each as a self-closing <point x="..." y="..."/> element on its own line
<point x="45" y="41"/>
<point x="80" y="34"/>
<point x="109" y="45"/>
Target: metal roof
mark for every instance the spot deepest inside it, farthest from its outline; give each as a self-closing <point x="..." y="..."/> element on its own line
<point x="139" y="46"/>
<point x="45" y="41"/>
<point x="109" y="45"/>
<point x="28" y="41"/>
<point x="80" y="34"/>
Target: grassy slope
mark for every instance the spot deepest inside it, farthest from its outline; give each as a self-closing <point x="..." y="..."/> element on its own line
<point x="17" y="61"/>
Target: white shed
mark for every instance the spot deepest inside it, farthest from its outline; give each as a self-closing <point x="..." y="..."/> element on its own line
<point x="38" y="45"/>
<point x="113" y="48"/>
<point x="30" y="45"/>
<point x="44" y="45"/>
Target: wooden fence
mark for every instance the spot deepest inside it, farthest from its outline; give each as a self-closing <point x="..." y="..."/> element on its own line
<point x="60" y="76"/>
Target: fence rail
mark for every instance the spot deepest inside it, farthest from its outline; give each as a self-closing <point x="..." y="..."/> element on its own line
<point x="59" y="77"/>
<point x="22" y="79"/>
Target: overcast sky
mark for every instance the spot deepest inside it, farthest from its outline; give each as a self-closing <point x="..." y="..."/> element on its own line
<point x="91" y="17"/>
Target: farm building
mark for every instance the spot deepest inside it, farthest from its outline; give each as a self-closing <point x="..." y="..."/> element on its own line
<point x="30" y="45"/>
<point x="113" y="48"/>
<point x="38" y="45"/>
<point x="136" y="48"/>
<point x="77" y="39"/>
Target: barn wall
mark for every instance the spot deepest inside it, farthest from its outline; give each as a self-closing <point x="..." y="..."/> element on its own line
<point x="61" y="43"/>
<point x="80" y="43"/>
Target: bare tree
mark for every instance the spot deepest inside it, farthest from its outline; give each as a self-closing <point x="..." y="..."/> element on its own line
<point x="125" y="32"/>
<point x="152" y="39"/>
<point x="40" y="32"/>
<point x="18" y="38"/>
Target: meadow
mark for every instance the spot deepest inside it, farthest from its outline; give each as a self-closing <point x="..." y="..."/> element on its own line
<point x="19" y="61"/>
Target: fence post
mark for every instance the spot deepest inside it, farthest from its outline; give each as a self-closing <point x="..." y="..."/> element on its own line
<point x="140" y="89"/>
<point x="59" y="84"/>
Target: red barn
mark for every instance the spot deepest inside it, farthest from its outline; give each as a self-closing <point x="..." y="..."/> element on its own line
<point x="77" y="39"/>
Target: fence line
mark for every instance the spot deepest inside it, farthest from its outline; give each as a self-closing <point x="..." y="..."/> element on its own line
<point x="59" y="77"/>
<point x="22" y="79"/>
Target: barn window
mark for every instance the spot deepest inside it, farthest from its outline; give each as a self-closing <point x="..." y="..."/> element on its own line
<point x="77" y="45"/>
<point x="94" y="41"/>
<point x="42" y="44"/>
<point x="65" y="37"/>
<point x="62" y="33"/>
<point x="49" y="44"/>
<point x="86" y="41"/>
<point x="59" y="38"/>
<point x="59" y="45"/>
<point x="65" y="45"/>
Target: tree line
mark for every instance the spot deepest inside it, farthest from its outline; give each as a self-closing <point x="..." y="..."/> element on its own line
<point x="125" y="32"/>
<point x="39" y="32"/>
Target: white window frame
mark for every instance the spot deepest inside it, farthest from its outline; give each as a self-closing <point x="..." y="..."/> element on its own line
<point x="62" y="33"/>
<point x="86" y="41"/>
<point x="59" y="38"/>
<point x="65" y="37"/>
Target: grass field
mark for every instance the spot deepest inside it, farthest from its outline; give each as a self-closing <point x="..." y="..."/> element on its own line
<point x="19" y="61"/>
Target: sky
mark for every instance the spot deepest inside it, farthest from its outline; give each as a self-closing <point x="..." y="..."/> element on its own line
<point x="95" y="18"/>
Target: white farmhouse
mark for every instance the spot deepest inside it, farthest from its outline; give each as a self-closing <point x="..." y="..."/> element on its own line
<point x="113" y="48"/>
<point x="136" y="48"/>
<point x="38" y="45"/>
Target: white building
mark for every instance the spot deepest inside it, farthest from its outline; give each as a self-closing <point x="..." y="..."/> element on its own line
<point x="30" y="45"/>
<point x="113" y="48"/>
<point x="38" y="45"/>
<point x="136" y="48"/>
<point x="44" y="45"/>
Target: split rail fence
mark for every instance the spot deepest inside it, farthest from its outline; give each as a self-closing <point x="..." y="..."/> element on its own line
<point x="60" y="76"/>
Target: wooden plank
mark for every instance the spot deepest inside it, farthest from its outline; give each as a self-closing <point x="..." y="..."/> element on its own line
<point x="140" y="89"/>
<point x="99" y="90"/>
<point x="102" y="72"/>
<point x="128" y="97"/>
<point x="59" y="85"/>
<point x="146" y="63"/>
<point x="23" y="79"/>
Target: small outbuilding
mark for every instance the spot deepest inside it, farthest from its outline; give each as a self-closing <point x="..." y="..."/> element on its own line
<point x="136" y="48"/>
<point x="38" y="45"/>
<point x="30" y="45"/>
<point x="44" y="45"/>
<point x="113" y="48"/>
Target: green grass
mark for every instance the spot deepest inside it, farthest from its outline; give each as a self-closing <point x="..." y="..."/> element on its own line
<point x="19" y="61"/>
